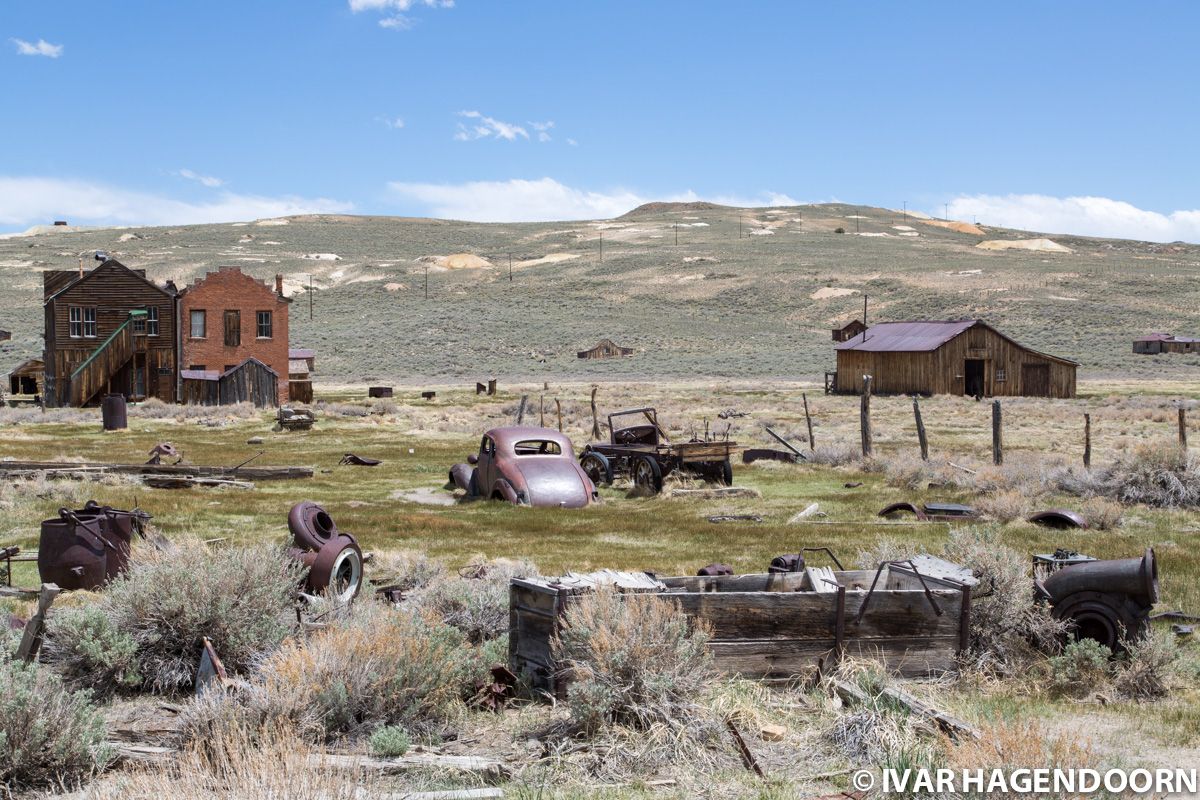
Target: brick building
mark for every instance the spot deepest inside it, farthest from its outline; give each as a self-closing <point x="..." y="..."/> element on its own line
<point x="228" y="317"/>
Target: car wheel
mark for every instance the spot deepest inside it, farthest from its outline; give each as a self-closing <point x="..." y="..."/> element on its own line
<point x="647" y="475"/>
<point x="726" y="473"/>
<point x="597" y="468"/>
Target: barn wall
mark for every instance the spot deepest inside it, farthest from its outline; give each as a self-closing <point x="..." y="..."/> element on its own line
<point x="943" y="371"/>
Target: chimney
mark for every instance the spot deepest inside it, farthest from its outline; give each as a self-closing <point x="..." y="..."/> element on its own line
<point x="278" y="284"/>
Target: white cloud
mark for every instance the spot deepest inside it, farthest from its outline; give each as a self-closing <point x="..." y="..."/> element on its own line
<point x="41" y="48"/>
<point x="543" y="200"/>
<point x="543" y="130"/>
<point x="1083" y="216"/>
<point x="395" y="123"/>
<point x="483" y="127"/>
<point x="573" y="143"/>
<point x="395" y="9"/>
<point x="204" y="180"/>
<point x="26" y="201"/>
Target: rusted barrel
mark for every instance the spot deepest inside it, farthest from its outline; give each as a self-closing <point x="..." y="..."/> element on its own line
<point x="73" y="551"/>
<point x="112" y="411"/>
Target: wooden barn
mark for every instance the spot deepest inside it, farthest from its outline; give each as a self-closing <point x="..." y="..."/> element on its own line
<point x="606" y="348"/>
<point x="27" y="379"/>
<point x="848" y="331"/>
<point x="5" y="336"/>
<point x="251" y="381"/>
<point x="965" y="357"/>
<point x="109" y="329"/>
<point x="1155" y="343"/>
<point x="301" y="364"/>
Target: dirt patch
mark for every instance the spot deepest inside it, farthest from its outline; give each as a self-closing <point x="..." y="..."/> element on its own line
<point x="1040" y="245"/>
<point x="426" y="497"/>
<point x="830" y="292"/>
<point x="552" y="258"/>
<point x="957" y="227"/>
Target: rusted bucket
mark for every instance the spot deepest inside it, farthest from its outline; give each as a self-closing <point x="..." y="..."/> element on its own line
<point x="87" y="548"/>
<point x="112" y="412"/>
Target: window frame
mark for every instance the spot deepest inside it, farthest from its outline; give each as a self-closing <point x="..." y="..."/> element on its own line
<point x="90" y="311"/>
<point x="258" y="324"/>
<point x="75" y="322"/>
<point x="236" y="339"/>
<point x="203" y="323"/>
<point x="152" y="321"/>
<point x="1001" y="374"/>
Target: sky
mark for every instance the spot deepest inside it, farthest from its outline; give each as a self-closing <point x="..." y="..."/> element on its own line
<point x="1065" y="117"/>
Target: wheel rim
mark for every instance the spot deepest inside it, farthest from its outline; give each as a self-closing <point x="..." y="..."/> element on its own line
<point x="642" y="474"/>
<point x="591" y="468"/>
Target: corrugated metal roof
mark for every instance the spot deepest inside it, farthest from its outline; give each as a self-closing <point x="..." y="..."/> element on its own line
<point x="199" y="374"/>
<point x="1155" y="337"/>
<point x="297" y="366"/>
<point x="905" y="337"/>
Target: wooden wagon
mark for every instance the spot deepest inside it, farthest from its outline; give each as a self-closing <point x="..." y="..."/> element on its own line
<point x="644" y="453"/>
<point x="914" y="617"/>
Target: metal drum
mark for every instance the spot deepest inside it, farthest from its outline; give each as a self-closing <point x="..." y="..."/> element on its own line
<point x="72" y="550"/>
<point x="112" y="412"/>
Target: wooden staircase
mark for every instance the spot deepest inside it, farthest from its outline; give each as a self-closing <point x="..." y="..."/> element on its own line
<point x="93" y="375"/>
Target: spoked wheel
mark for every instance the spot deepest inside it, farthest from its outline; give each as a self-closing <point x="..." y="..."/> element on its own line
<point x="647" y="475"/>
<point x="598" y="468"/>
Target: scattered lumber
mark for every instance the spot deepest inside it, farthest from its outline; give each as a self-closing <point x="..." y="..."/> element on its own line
<point x="484" y="767"/>
<point x="952" y="726"/>
<point x="717" y="493"/>
<point x="31" y="639"/>
<point x="192" y="482"/>
<point x="811" y="510"/>
<point x="247" y="473"/>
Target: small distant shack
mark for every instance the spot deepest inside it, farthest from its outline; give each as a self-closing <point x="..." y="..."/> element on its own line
<point x="28" y="378"/>
<point x="606" y="348"/>
<point x="848" y="331"/>
<point x="1155" y="343"/>
<point x="5" y="336"/>
<point x="964" y="357"/>
<point x="251" y="381"/>
<point x="301" y="365"/>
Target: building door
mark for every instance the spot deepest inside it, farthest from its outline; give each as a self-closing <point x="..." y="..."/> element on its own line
<point x="973" y="374"/>
<point x="1035" y="380"/>
<point x="233" y="328"/>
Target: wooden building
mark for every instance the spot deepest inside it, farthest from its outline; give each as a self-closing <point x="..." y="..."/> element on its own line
<point x="1155" y="343"/>
<point x="109" y="329"/>
<point x="301" y="366"/>
<point x="229" y="317"/>
<point x="5" y="336"/>
<point x="606" y="348"/>
<point x="251" y="381"/>
<point x="965" y="357"/>
<point x="848" y="331"/>
<point x="27" y="379"/>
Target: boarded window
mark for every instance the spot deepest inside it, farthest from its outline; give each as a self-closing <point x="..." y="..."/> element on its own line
<point x="89" y="323"/>
<point x="264" y="325"/>
<point x="233" y="328"/>
<point x="152" y="321"/>
<point x="199" y="367"/>
<point x="199" y="325"/>
<point x="76" y="322"/>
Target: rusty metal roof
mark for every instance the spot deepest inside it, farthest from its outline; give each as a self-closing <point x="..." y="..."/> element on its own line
<point x="1155" y="337"/>
<point x="905" y="337"/>
<point x="301" y="352"/>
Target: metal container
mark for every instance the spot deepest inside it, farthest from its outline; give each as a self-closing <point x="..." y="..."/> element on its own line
<point x="72" y="551"/>
<point x="112" y="411"/>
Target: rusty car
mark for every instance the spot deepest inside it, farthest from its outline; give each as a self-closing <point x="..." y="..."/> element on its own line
<point x="526" y="466"/>
<point x="643" y="452"/>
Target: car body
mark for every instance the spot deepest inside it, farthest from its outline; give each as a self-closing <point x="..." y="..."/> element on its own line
<point x="526" y="466"/>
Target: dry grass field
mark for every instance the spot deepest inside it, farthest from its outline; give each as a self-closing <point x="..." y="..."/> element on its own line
<point x="400" y="510"/>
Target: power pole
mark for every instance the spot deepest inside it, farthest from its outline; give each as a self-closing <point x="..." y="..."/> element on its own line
<point x="310" y="310"/>
<point x="601" y="248"/>
<point x="510" y="267"/>
<point x="677" y="233"/>
<point x="426" y="281"/>
<point x="946" y="216"/>
<point x="906" y="212"/>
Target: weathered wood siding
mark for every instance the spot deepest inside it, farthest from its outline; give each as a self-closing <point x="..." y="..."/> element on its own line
<point x="250" y="382"/>
<point x="943" y="371"/>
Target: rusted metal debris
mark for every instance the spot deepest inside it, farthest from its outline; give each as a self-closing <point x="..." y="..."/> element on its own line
<point x="497" y="693"/>
<point x="714" y="570"/>
<point x="295" y="419"/>
<point x="1109" y="601"/>
<point x="359" y="461"/>
<point x="788" y="562"/>
<point x="379" y="391"/>
<point x="88" y="547"/>
<point x="164" y="450"/>
<point x="1059" y="518"/>
<point x="428" y="395"/>
<point x="735" y="518"/>
<point x="931" y="512"/>
<point x="6" y="556"/>
<point x="333" y="557"/>
<point x="752" y="454"/>
<point x="210" y="674"/>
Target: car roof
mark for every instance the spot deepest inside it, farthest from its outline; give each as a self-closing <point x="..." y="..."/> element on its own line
<point x="519" y="433"/>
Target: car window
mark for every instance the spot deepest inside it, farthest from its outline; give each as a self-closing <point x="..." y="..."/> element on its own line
<point x="487" y="446"/>
<point x="538" y="447"/>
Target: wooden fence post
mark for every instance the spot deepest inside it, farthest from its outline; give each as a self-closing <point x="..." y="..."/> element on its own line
<point x="35" y="629"/>
<point x="812" y="445"/>
<point x="921" y="430"/>
<point x="1183" y="429"/>
<point x="521" y="410"/>
<point x="541" y="410"/>
<point x="558" y="408"/>
<point x="864" y="416"/>
<point x="997" y="434"/>
<point x="1087" y="441"/>
<point x="595" y="419"/>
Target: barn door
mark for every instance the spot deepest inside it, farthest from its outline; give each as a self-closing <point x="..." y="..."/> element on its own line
<point x="1035" y="380"/>
<point x="233" y="328"/>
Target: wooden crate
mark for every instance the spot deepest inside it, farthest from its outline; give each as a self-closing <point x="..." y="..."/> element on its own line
<point x="773" y="626"/>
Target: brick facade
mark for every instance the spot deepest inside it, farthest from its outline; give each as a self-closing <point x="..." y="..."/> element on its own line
<point x="231" y="301"/>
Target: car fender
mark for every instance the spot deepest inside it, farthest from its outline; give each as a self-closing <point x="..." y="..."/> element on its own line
<point x="464" y="477"/>
<point x="506" y="491"/>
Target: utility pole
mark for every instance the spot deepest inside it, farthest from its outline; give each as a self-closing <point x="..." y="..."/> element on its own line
<point x="906" y="212"/>
<point x="856" y="223"/>
<point x="946" y="216"/>
<point x="510" y="267"/>
<point x="426" y="281"/>
<point x="864" y="314"/>
<point x="739" y="228"/>
<point x="602" y="248"/>
<point x="677" y="233"/>
<point x="310" y="310"/>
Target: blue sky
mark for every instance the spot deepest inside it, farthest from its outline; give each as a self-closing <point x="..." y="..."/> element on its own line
<point x="1070" y="116"/>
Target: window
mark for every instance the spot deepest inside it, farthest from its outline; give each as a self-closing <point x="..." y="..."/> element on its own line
<point x="229" y="367"/>
<point x="76" y="322"/>
<point x="198" y="367"/>
<point x="139" y="324"/>
<point x="89" y="323"/>
<point x="233" y="328"/>
<point x="538" y="447"/>
<point x="1000" y="375"/>
<point x="152" y="321"/>
<point x="199" y="327"/>
<point x="264" y="324"/>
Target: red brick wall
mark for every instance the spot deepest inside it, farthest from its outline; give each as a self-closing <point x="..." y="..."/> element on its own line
<point x="231" y="289"/>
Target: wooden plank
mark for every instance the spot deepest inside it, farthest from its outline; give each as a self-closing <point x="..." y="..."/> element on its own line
<point x="249" y="473"/>
<point x="485" y="767"/>
<point x="35" y="629"/>
<point x="756" y="582"/>
<point x="909" y="657"/>
<point x="821" y="579"/>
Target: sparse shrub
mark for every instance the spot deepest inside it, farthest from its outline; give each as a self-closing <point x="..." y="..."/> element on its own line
<point x="834" y="455"/>
<point x="406" y="569"/>
<point x="635" y="661"/>
<point x="384" y="407"/>
<point x="49" y="734"/>
<point x="241" y="598"/>
<point x="389" y="742"/>
<point x="89" y="649"/>
<point x="1005" y="506"/>
<point x="1022" y="745"/>
<point x="878" y="731"/>
<point x="1149" y="666"/>
<point x="1162" y="476"/>
<point x="839" y="229"/>
<point x="477" y="605"/>
<point x="1082" y="668"/>
<point x="1102" y="514"/>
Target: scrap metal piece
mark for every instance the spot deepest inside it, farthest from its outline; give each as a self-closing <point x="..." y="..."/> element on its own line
<point x="337" y="568"/>
<point x="899" y="508"/>
<point x="163" y="449"/>
<point x="495" y="694"/>
<point x="359" y="461"/>
<point x="750" y="455"/>
<point x="528" y="466"/>
<point x="6" y="555"/>
<point x="1059" y="518"/>
<point x="311" y="525"/>
<point x="210" y="673"/>
<point x="88" y="547"/>
<point x="1109" y="601"/>
<point x="715" y="571"/>
<point x="789" y="562"/>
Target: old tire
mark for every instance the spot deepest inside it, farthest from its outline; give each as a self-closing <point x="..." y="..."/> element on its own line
<point x="337" y="569"/>
<point x="597" y="467"/>
<point x="647" y="475"/>
<point x="311" y="526"/>
<point x="726" y="473"/>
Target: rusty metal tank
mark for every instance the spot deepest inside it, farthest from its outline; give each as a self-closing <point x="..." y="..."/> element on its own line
<point x="88" y="547"/>
<point x="112" y="412"/>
